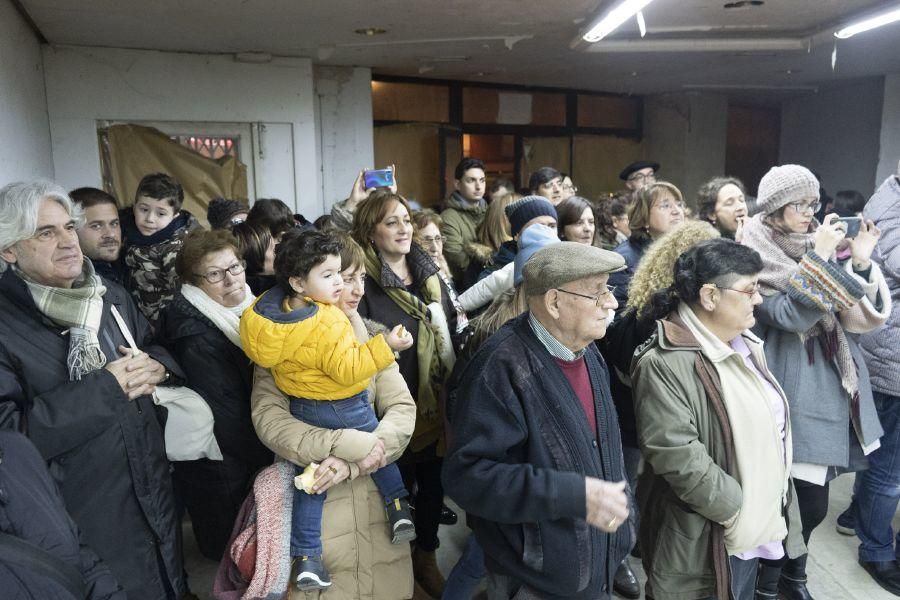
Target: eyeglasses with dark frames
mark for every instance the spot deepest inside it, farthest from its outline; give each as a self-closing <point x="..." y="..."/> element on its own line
<point x="217" y="275"/>
<point x="598" y="299"/>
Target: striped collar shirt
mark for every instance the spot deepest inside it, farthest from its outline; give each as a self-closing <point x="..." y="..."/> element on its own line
<point x="549" y="342"/>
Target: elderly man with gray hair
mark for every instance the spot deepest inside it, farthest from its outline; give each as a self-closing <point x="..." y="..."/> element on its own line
<point x="536" y="459"/>
<point x="69" y="382"/>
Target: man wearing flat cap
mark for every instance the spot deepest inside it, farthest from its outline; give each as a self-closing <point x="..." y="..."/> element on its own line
<point x="639" y="174"/>
<point x="536" y="459"/>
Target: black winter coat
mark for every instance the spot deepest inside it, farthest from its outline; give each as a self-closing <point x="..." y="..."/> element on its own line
<point x="520" y="452"/>
<point x="378" y="306"/>
<point x="220" y="372"/>
<point x="32" y="510"/>
<point x="106" y="454"/>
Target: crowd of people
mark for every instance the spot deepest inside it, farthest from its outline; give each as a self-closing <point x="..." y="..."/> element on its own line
<point x="590" y="380"/>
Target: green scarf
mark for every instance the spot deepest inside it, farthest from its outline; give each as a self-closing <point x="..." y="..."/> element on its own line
<point x="431" y="371"/>
<point x="80" y="308"/>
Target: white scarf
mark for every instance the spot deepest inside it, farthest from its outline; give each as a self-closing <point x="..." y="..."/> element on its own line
<point x="227" y="320"/>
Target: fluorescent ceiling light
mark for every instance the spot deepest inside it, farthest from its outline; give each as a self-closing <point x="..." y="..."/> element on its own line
<point x="701" y="45"/>
<point x="614" y="18"/>
<point x="868" y="23"/>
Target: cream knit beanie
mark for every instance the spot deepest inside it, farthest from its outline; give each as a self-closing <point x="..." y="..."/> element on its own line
<point x="785" y="184"/>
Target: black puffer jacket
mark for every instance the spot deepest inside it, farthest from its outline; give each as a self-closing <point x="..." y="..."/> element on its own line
<point x="32" y="510"/>
<point x="106" y="454"/>
<point x="220" y="372"/>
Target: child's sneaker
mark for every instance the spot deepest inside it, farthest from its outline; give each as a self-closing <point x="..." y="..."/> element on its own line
<point x="309" y="573"/>
<point x="402" y="527"/>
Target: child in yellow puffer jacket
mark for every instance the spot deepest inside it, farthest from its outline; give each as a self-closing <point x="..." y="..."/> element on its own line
<point x="295" y="330"/>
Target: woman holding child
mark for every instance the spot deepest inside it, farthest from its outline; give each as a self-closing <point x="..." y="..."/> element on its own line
<point x="403" y="287"/>
<point x="355" y="534"/>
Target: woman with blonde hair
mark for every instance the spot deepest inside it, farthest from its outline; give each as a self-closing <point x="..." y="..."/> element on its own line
<point x="495" y="246"/>
<point x="657" y="208"/>
<point x="634" y="327"/>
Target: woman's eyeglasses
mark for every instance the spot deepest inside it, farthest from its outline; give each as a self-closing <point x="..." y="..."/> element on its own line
<point x="217" y="275"/>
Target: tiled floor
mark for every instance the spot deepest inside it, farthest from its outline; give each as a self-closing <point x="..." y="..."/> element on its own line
<point x="833" y="571"/>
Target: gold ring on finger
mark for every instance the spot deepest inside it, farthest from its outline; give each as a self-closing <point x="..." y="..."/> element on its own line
<point x="332" y="469"/>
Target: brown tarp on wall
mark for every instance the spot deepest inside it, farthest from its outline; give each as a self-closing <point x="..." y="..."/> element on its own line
<point x="129" y="152"/>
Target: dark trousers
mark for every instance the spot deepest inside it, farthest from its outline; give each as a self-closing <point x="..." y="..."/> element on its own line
<point x="423" y="470"/>
<point x="812" y="500"/>
<point x="352" y="413"/>
<point x="877" y="490"/>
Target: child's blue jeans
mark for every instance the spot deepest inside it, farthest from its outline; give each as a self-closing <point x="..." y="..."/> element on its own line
<point x="352" y="413"/>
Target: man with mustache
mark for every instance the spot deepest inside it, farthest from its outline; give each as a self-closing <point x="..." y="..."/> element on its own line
<point x="100" y="237"/>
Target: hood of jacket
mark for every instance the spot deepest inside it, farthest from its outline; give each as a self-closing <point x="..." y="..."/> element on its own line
<point x="457" y="202"/>
<point x="269" y="334"/>
<point x="184" y="221"/>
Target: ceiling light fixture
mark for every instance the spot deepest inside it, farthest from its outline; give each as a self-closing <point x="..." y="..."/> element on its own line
<point x="614" y="19"/>
<point x="642" y="25"/>
<point x="868" y="23"/>
<point x="370" y="31"/>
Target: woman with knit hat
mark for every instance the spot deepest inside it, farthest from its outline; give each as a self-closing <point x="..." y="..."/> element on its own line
<point x="813" y="306"/>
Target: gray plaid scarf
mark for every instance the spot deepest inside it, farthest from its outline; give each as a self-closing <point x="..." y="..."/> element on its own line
<point x="80" y="309"/>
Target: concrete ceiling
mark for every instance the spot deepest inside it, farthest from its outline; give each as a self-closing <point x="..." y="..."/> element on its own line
<point x="532" y="42"/>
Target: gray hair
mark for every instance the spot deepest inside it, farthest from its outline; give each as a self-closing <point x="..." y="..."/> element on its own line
<point x="20" y="203"/>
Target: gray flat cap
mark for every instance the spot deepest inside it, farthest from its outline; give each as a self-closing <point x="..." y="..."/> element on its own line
<point x="559" y="264"/>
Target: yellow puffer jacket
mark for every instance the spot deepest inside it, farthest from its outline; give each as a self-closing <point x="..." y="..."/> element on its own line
<point x="311" y="351"/>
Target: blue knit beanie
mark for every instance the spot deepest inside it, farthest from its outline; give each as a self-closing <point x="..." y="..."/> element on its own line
<point x="532" y="239"/>
<point x="525" y="209"/>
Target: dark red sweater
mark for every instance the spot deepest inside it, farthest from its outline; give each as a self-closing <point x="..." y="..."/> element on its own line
<point x="577" y="373"/>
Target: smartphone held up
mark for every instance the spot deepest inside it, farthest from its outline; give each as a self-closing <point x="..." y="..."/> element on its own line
<point x="378" y="178"/>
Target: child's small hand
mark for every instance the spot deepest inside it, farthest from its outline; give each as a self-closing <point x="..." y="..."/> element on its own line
<point x="399" y="338"/>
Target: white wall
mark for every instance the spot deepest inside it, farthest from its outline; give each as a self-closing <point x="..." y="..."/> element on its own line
<point x="889" y="153"/>
<point x="835" y="133"/>
<point x="686" y="134"/>
<point x="24" y="126"/>
<point x="346" y="135"/>
<point x="85" y="85"/>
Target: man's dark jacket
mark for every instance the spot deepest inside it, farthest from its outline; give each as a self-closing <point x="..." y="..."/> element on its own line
<point x="520" y="453"/>
<point x="32" y="510"/>
<point x="106" y="453"/>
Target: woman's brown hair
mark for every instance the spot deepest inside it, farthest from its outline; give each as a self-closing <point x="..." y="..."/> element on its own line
<point x="197" y="245"/>
<point x="371" y="212"/>
<point x="639" y="215"/>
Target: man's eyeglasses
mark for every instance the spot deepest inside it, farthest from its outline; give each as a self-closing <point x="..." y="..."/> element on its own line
<point x="643" y="177"/>
<point x="570" y="188"/>
<point x="598" y="299"/>
<point x="217" y="275"/>
<point x="427" y="241"/>
<point x="804" y="207"/>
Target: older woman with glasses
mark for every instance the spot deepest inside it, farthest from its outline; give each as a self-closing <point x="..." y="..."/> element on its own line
<point x="201" y="330"/>
<point x="713" y="426"/>
<point x="658" y="208"/>
<point x="819" y="291"/>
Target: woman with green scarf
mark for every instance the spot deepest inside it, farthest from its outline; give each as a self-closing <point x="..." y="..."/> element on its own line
<point x="403" y="287"/>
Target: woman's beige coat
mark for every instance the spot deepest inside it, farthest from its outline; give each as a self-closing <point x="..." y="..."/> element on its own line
<point x="357" y="547"/>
